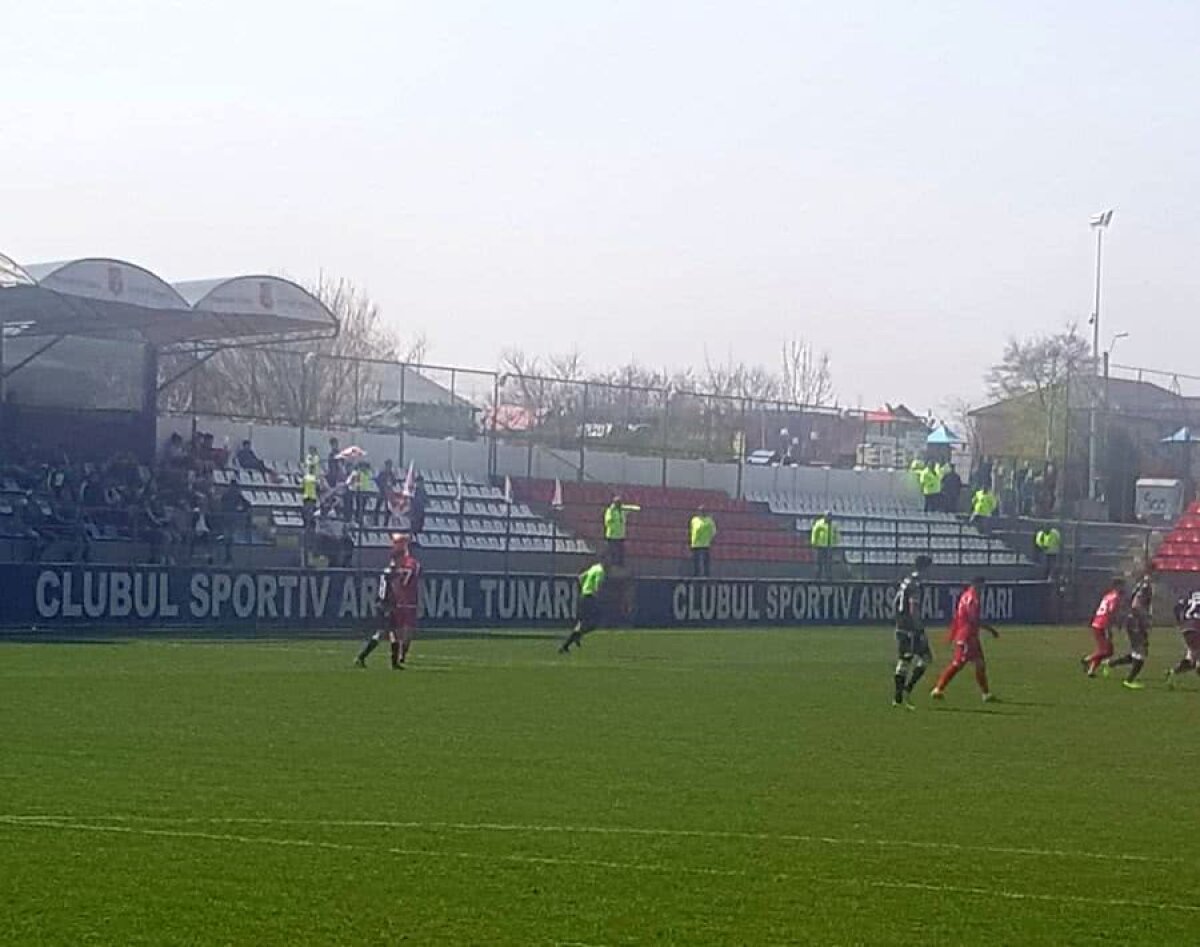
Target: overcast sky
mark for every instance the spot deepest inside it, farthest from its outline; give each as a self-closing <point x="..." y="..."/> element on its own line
<point x="902" y="183"/>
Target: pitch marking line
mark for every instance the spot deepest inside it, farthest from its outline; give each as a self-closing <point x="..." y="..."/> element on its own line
<point x="44" y="823"/>
<point x="631" y="831"/>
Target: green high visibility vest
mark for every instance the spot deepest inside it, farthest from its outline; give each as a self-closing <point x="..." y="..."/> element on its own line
<point x="591" y="579"/>
<point x="824" y="534"/>
<point x="1049" y="541"/>
<point x="931" y="483"/>
<point x="614" y="519"/>
<point x="701" y="531"/>
<point x="308" y="486"/>
<point x="984" y="503"/>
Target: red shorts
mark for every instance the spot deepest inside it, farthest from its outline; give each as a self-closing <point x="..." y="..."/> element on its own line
<point x="404" y="618"/>
<point x="968" y="651"/>
<point x="1104" y="645"/>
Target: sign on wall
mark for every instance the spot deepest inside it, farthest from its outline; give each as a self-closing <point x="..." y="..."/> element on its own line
<point x="127" y="598"/>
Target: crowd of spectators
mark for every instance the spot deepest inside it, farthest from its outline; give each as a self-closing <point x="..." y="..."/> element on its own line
<point x="68" y="499"/>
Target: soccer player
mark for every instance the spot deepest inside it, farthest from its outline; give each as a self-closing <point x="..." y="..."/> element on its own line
<point x="964" y="632"/>
<point x="912" y="647"/>
<point x="1137" y="629"/>
<point x="588" y="613"/>
<point x="1187" y="614"/>
<point x="399" y="600"/>
<point x="1107" y="612"/>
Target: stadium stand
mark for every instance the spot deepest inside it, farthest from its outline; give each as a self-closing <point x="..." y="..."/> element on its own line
<point x="57" y="508"/>
<point x="1180" y="550"/>
<point x="478" y="518"/>
<point x="745" y="534"/>
<point x="887" y="531"/>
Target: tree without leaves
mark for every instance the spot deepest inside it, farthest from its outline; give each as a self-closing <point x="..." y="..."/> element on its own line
<point x="1036" y="373"/>
<point x="557" y="397"/>
<point x="327" y="382"/>
<point x="806" y="377"/>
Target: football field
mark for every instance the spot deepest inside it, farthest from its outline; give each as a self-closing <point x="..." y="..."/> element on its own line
<point x="655" y="787"/>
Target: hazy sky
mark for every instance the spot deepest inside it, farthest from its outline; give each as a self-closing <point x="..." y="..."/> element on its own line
<point x="902" y="183"/>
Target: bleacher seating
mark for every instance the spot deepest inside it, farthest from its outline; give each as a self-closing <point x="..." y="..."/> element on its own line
<point x="479" y="519"/>
<point x="660" y="530"/>
<point x="889" y="531"/>
<point x="1180" y="551"/>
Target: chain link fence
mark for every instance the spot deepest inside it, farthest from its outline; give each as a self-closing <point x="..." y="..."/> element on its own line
<point x="311" y="392"/>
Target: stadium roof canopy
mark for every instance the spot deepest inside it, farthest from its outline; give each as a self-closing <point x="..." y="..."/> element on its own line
<point x="113" y="299"/>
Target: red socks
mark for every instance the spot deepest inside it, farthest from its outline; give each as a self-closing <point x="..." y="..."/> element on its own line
<point x="948" y="675"/>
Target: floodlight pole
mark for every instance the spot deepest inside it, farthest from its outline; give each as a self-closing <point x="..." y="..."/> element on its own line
<point x="1093" y="413"/>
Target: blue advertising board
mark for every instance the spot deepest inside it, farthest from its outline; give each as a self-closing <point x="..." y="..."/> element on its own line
<point x="790" y="602"/>
<point x="222" y="599"/>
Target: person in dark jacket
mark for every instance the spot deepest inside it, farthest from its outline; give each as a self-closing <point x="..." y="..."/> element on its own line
<point x="951" y="490"/>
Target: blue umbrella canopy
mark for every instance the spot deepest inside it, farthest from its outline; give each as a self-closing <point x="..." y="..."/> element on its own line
<point x="943" y="436"/>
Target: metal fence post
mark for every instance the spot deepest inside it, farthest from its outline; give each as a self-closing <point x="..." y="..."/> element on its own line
<point x="401" y="425"/>
<point x="583" y="415"/>
<point x="494" y="431"/>
<point x="666" y="425"/>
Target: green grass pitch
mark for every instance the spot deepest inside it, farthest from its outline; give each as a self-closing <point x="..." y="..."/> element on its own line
<point x="669" y="787"/>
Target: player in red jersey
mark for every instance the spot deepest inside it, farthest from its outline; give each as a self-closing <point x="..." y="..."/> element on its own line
<point x="1108" y="612"/>
<point x="1187" y="614"/>
<point x="964" y="632"/>
<point x="399" y="602"/>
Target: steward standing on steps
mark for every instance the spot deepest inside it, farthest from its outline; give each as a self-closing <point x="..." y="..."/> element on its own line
<point x="701" y="532"/>
<point x="614" y="529"/>
<point x="983" y="505"/>
<point x="823" y="538"/>
<point x="1049" y="544"/>
<point x="931" y="488"/>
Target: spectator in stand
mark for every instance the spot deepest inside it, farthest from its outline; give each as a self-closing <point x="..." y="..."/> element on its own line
<point x="174" y="452"/>
<point x="1023" y="490"/>
<point x="58" y="481"/>
<point x="416" y="507"/>
<point x="385" y="483"/>
<point x="1050" y="487"/>
<point x="155" y="527"/>
<point x="91" y="490"/>
<point x="334" y="539"/>
<point x="234" y="509"/>
<point x="615" y="528"/>
<point x="248" y="460"/>
<point x="824" y="539"/>
<point x="951" y="490"/>
<point x="931" y="488"/>
<point x="334" y="468"/>
<point x="200" y="530"/>
<point x="983" y="474"/>
<point x="702" y="530"/>
<point x="360" y="483"/>
<point x="312" y="460"/>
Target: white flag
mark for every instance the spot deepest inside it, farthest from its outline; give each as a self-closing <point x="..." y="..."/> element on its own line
<point x="557" y="500"/>
<point x="508" y="497"/>
<point x="410" y="481"/>
<point x="458" y="489"/>
<point x="1102" y="219"/>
